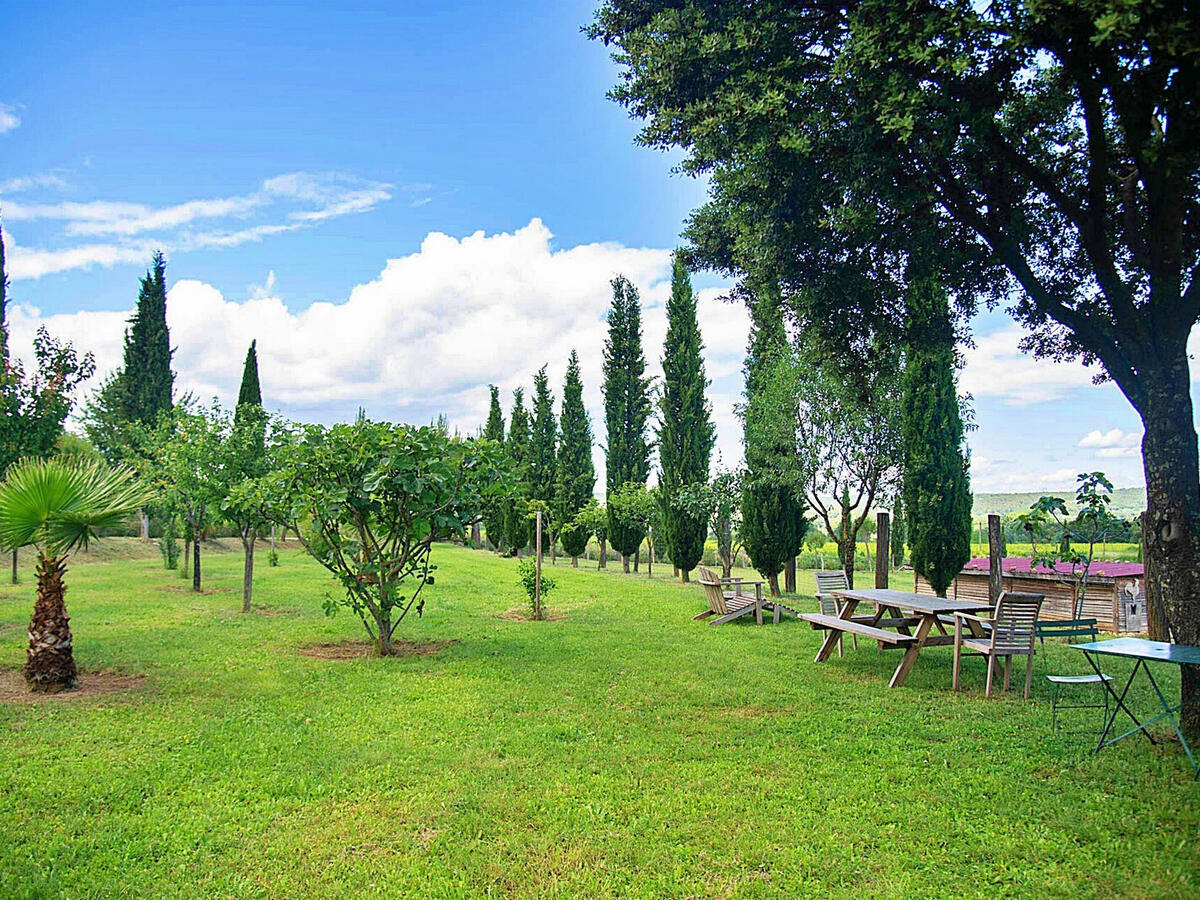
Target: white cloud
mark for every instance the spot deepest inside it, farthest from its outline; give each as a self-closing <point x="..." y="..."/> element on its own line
<point x="1112" y="444"/>
<point x="996" y="367"/>
<point x="1003" y="475"/>
<point x="8" y="118"/>
<point x="131" y="227"/>
<point x="429" y="333"/>
<point x="22" y="183"/>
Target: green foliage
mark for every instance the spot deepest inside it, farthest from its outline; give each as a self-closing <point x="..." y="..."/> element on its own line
<point x="773" y="523"/>
<point x="626" y="390"/>
<point x="58" y="504"/>
<point x="493" y="512"/>
<point x="34" y="407"/>
<point x="576" y="476"/>
<point x="146" y="378"/>
<point x="593" y="519"/>
<point x="630" y="508"/>
<point x="937" y="489"/>
<point x="719" y="503"/>
<point x="516" y="502"/>
<point x="543" y="441"/>
<point x="368" y="501"/>
<point x="168" y="543"/>
<point x="273" y="558"/>
<point x="527" y="575"/>
<point x="685" y="432"/>
<point x="250" y="392"/>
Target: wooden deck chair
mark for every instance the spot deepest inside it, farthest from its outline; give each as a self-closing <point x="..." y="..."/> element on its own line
<point x="726" y="605"/>
<point x="827" y="583"/>
<point x="1013" y="633"/>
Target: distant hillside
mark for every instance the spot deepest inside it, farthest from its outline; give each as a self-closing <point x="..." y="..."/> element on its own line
<point x="1126" y="502"/>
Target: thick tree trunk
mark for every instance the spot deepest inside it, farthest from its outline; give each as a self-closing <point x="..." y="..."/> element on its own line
<point x="248" y="571"/>
<point x="684" y="575"/>
<point x="637" y="558"/>
<point x="773" y="584"/>
<point x="789" y="576"/>
<point x="603" y="563"/>
<point x="196" y="564"/>
<point x="846" y="557"/>
<point x="625" y="563"/>
<point x="384" y="641"/>
<point x="476" y="536"/>
<point x="145" y="527"/>
<point x="574" y="562"/>
<point x="1172" y="463"/>
<point x="50" y="663"/>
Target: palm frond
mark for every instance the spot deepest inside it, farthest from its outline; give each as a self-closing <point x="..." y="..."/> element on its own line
<point x="61" y="502"/>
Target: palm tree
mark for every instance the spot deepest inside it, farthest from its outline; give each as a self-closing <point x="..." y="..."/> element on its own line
<point x="57" y="505"/>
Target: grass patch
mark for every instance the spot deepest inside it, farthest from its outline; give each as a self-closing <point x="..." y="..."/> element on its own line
<point x="622" y="751"/>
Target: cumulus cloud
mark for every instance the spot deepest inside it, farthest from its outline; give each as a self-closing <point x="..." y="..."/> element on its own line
<point x="428" y="333"/>
<point x="1113" y="443"/>
<point x="288" y="202"/>
<point x="996" y="367"/>
<point x="22" y="183"/>
<point x="8" y="118"/>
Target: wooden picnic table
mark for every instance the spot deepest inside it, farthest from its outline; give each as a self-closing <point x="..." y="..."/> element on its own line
<point x="913" y="616"/>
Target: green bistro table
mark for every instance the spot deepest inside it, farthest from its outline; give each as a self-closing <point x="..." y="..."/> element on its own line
<point x="1142" y="652"/>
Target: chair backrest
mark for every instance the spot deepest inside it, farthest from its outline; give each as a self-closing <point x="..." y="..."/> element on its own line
<point x="713" y="590"/>
<point x="827" y="583"/>
<point x="1014" y="623"/>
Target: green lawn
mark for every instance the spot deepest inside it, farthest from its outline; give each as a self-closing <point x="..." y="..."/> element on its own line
<point x="619" y="750"/>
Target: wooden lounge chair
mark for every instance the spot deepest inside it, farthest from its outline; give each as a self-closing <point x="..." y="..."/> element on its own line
<point x="729" y="605"/>
<point x="1013" y="631"/>
<point x="827" y="583"/>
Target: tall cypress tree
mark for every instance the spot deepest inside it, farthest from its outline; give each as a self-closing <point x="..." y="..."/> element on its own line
<point x="773" y="523"/>
<point x="626" y="407"/>
<point x="493" y="514"/>
<point x="146" y="378"/>
<point x="576" y="477"/>
<point x="685" y="431"/>
<point x="937" y="490"/>
<point x="250" y="391"/>
<point x="543" y="441"/>
<point x="516" y="508"/>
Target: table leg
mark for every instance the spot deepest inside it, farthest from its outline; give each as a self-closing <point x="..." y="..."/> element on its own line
<point x="913" y="651"/>
<point x="1170" y="714"/>
<point x="832" y="635"/>
<point x="1120" y="706"/>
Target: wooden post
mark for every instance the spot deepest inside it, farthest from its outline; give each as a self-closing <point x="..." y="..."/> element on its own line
<point x="883" y="557"/>
<point x="14" y="578"/>
<point x="789" y="576"/>
<point x="995" y="575"/>
<point x="537" y="584"/>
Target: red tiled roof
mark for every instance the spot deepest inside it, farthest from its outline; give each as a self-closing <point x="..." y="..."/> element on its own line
<point x="1019" y="564"/>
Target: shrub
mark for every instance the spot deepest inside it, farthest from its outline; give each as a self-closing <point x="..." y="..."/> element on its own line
<point x="527" y="573"/>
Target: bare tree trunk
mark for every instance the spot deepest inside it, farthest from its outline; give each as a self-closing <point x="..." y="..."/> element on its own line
<point x="883" y="534"/>
<point x="145" y="527"/>
<point x="789" y="576"/>
<point x="773" y="584"/>
<point x="187" y="554"/>
<point x="625" y="563"/>
<point x="14" y="564"/>
<point x="603" y="563"/>
<point x="995" y="573"/>
<point x="637" y="557"/>
<point x="476" y="536"/>
<point x="196" y="563"/>
<point x="248" y="570"/>
<point x="574" y="562"/>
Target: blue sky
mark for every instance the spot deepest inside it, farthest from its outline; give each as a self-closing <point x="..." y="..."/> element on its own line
<point x="402" y="204"/>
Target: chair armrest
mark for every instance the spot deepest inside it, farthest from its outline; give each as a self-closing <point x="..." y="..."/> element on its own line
<point x="981" y="619"/>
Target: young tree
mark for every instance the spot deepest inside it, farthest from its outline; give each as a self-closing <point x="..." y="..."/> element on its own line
<point x="1056" y="141"/>
<point x="685" y="432"/>
<point x="626" y="403"/>
<point x="369" y="500"/>
<point x="937" y="488"/>
<point x="773" y="523"/>
<point x="516" y="503"/>
<point x="493" y="513"/>
<point x="184" y="458"/>
<point x="58" y="505"/>
<point x="593" y="519"/>
<point x="576" y="476"/>
<point x="630" y="510"/>
<point x="250" y="503"/>
<point x="719" y="502"/>
<point x="543" y="448"/>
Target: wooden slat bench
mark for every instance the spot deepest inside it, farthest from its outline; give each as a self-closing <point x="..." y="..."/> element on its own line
<point x="835" y="623"/>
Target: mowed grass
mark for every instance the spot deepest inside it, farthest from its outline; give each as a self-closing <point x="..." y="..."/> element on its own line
<point x="621" y="750"/>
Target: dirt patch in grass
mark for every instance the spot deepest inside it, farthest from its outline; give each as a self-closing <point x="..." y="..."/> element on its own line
<point x="363" y="649"/>
<point x="14" y="690"/>
<point x="522" y="614"/>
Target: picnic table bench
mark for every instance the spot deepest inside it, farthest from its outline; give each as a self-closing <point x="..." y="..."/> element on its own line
<point x="913" y="616"/>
